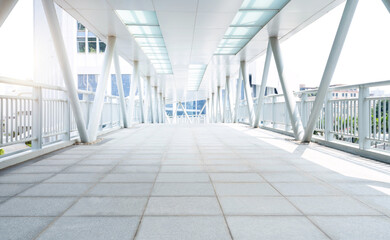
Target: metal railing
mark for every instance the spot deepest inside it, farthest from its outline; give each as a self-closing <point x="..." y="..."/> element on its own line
<point x="362" y="118"/>
<point x="44" y="115"/>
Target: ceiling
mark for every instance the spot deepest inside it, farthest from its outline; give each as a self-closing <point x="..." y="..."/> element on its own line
<point x="192" y="31"/>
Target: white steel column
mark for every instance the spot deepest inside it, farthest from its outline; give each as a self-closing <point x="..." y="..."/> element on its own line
<point x="219" y="110"/>
<point x="133" y="88"/>
<point x="261" y="94"/>
<point x="248" y="92"/>
<point x="149" y="91"/>
<point x="292" y="108"/>
<point x="119" y="84"/>
<point x="6" y="7"/>
<point x="331" y="65"/>
<point x="207" y="110"/>
<point x="238" y="98"/>
<point x="63" y="61"/>
<point x="212" y="108"/>
<point x="227" y="106"/>
<point x="161" y="107"/>
<point x="386" y="2"/>
<point x="140" y="91"/>
<point x="155" y="103"/>
<point x="364" y="116"/>
<point x="98" y="102"/>
<point x="164" y="115"/>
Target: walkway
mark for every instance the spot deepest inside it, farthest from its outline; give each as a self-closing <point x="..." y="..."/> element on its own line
<point x="196" y="182"/>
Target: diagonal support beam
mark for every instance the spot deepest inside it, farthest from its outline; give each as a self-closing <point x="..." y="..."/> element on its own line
<point x="149" y="91"/>
<point x="260" y="101"/>
<point x="227" y="106"/>
<point x="119" y="84"/>
<point x="137" y="78"/>
<point x="292" y="107"/>
<point x="331" y="65"/>
<point x="133" y="88"/>
<point x="63" y="61"/>
<point x="248" y="92"/>
<point x="6" y="7"/>
<point x="238" y="98"/>
<point x="387" y="4"/>
<point x="98" y="102"/>
<point x="185" y="112"/>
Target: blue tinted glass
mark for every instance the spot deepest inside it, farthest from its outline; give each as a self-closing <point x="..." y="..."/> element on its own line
<point x="114" y="86"/>
<point x="82" y="81"/>
<point x="92" y="82"/>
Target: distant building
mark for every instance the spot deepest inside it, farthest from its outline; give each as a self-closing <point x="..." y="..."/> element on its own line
<point x="336" y="94"/>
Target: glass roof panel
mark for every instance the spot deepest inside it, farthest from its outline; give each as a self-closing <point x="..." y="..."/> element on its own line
<point x="232" y="51"/>
<point x="154" y="49"/>
<point x="151" y="42"/>
<point x="253" y="18"/>
<point x="145" y="31"/>
<point x="159" y="61"/>
<point x="155" y="56"/>
<point x="235" y="43"/>
<point x="264" y="4"/>
<point x="164" y="71"/>
<point x="138" y="17"/>
<point x="241" y="32"/>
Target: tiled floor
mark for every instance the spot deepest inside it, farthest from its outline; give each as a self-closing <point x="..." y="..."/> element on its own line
<point x="196" y="182"/>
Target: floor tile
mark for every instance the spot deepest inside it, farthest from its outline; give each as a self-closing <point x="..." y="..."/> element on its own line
<point x="331" y="205"/>
<point x="273" y="227"/>
<point x="257" y="206"/>
<point x="183" y="228"/>
<point x="245" y="189"/>
<point x="42" y="206"/>
<point x="305" y="189"/>
<point x="56" y="190"/>
<point x="12" y="189"/>
<point x="183" y="177"/>
<point x="93" y="228"/>
<point x="22" y="228"/>
<point x="129" y="177"/>
<point x="352" y="227"/>
<point x="183" y="189"/>
<point x="183" y="206"/>
<point x="236" y="177"/>
<point x="121" y="189"/>
<point x="108" y="206"/>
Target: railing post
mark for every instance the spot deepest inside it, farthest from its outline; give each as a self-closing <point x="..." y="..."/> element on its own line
<point x="364" y="116"/>
<point x="37" y="118"/>
<point x="67" y="121"/>
<point x="304" y="109"/>
<point x="328" y="117"/>
<point x="273" y="111"/>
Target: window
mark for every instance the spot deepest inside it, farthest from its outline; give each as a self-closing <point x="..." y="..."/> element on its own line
<point x="88" y="42"/>
<point x="102" y="46"/>
<point x="126" y="85"/>
<point x="87" y="82"/>
<point x="80" y="38"/>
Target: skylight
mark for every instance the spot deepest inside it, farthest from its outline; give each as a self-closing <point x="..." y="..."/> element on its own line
<point x="195" y="75"/>
<point x="144" y="27"/>
<point x="250" y="19"/>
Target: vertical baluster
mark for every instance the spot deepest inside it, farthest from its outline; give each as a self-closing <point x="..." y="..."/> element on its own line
<point x="374" y="118"/>
<point x="1" y="119"/>
<point x="384" y="122"/>
<point x="7" y="122"/>
<point x="12" y="119"/>
<point x="379" y="119"/>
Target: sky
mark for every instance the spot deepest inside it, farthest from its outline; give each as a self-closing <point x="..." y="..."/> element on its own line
<point x="365" y="57"/>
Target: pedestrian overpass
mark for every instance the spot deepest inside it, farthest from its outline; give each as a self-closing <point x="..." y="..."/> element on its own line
<point x="296" y="165"/>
